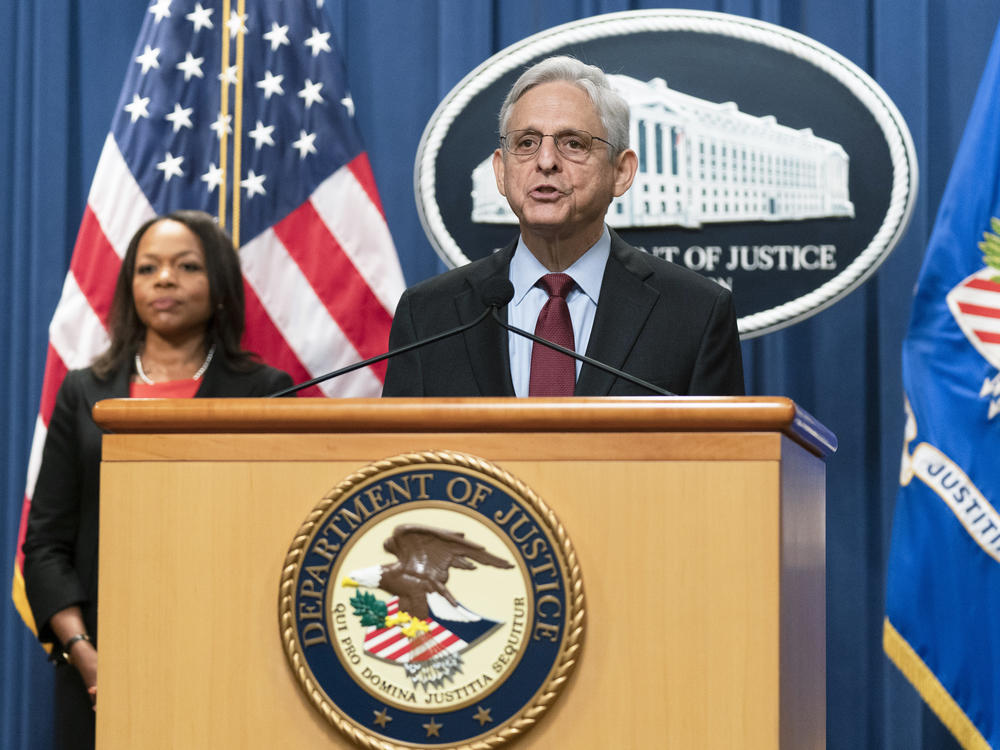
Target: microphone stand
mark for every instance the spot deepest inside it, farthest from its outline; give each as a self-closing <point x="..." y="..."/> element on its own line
<point x="582" y="357"/>
<point x="364" y="363"/>
<point x="493" y="308"/>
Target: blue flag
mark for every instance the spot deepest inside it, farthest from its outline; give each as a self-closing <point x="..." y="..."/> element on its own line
<point x="942" y="626"/>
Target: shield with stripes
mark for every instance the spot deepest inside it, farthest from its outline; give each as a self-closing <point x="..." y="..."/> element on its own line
<point x="975" y="303"/>
<point x="429" y="650"/>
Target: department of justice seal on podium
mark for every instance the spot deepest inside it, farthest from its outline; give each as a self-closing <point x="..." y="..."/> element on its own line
<point x="431" y="600"/>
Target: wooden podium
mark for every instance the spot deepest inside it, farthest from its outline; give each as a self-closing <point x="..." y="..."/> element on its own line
<point x="698" y="523"/>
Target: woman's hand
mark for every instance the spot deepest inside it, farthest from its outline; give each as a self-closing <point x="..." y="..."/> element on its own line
<point x="83" y="656"/>
<point x="67" y="624"/>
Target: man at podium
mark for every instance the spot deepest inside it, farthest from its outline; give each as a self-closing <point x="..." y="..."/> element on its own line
<point x="563" y="157"/>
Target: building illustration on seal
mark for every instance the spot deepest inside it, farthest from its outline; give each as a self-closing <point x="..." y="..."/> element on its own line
<point x="702" y="162"/>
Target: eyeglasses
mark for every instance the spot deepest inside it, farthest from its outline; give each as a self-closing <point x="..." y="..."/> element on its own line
<point x="575" y="145"/>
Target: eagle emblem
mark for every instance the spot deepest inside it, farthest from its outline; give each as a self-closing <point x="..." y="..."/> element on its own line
<point x="422" y="627"/>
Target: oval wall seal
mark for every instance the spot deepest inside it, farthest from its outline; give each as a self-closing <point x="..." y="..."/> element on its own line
<point x="767" y="161"/>
<point x="431" y="599"/>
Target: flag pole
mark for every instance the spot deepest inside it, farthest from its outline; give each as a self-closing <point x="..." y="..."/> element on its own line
<point x="238" y="126"/>
<point x="223" y="113"/>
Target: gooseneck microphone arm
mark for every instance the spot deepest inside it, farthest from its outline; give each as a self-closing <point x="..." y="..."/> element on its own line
<point x="494" y="310"/>
<point x="497" y="292"/>
<point x="373" y="360"/>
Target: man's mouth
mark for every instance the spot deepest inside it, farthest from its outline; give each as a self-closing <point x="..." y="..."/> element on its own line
<point x="547" y="192"/>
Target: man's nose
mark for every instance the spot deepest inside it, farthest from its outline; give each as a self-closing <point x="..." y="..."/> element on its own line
<point x="548" y="156"/>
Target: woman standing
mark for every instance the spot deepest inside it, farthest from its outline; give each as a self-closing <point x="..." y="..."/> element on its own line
<point x="175" y="325"/>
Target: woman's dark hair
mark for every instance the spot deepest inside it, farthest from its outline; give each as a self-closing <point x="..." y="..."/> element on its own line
<point x="225" y="282"/>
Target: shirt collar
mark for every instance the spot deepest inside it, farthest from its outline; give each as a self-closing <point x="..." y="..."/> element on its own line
<point x="587" y="271"/>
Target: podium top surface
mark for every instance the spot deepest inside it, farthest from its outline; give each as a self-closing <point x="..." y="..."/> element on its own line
<point x="632" y="414"/>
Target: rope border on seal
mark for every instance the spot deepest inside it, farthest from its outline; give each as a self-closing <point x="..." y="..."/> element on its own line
<point x="575" y="616"/>
<point x="902" y="153"/>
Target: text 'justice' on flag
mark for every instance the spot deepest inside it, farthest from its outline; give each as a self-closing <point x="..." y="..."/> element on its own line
<point x="239" y="108"/>
<point x="942" y="625"/>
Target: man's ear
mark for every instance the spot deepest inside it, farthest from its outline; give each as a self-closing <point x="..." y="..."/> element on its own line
<point x="498" y="167"/>
<point x="626" y="165"/>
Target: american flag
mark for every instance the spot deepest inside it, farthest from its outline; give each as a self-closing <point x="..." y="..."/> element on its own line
<point x="239" y="108"/>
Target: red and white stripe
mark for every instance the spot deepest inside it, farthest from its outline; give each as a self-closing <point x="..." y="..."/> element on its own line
<point x="328" y="279"/>
<point x="975" y="305"/>
<point x="390" y="643"/>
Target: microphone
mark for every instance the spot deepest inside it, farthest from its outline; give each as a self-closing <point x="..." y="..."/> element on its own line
<point x="496" y="293"/>
<point x="503" y="290"/>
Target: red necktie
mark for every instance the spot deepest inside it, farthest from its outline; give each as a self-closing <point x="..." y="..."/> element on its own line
<point x="553" y="373"/>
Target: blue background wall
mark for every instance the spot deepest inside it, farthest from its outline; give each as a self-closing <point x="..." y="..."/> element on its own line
<point x="64" y="63"/>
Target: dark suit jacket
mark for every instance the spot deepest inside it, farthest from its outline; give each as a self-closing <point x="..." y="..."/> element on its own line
<point x="655" y="320"/>
<point x="60" y="546"/>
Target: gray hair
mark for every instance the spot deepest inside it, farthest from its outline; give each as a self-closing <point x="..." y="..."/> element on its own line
<point x="610" y="106"/>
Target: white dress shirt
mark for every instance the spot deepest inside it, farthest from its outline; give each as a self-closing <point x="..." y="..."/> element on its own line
<point x="525" y="271"/>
